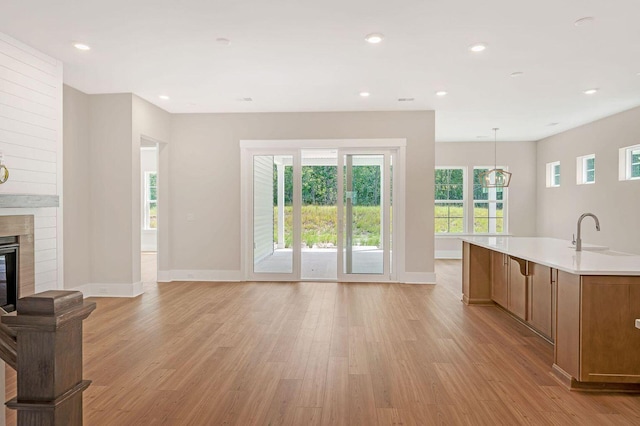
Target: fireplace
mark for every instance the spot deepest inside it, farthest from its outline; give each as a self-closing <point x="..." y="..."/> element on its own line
<point x="17" y="266"/>
<point x="8" y="273"/>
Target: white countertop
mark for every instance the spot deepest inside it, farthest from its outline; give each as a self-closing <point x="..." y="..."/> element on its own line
<point x="638" y="323"/>
<point x="559" y="254"/>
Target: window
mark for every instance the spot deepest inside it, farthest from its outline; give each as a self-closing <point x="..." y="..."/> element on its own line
<point x="553" y="174"/>
<point x="630" y="163"/>
<point x="449" y="201"/>
<point x="586" y="169"/>
<point x="488" y="206"/>
<point x="150" y="200"/>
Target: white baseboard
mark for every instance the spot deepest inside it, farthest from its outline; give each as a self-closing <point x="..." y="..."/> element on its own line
<point x="419" y="278"/>
<point x="448" y="254"/>
<point x="199" y="275"/>
<point x="110" y="289"/>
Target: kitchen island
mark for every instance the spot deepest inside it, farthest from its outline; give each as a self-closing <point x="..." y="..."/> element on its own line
<point x="584" y="303"/>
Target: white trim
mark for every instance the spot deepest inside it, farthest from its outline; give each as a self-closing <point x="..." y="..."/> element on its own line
<point x="249" y="148"/>
<point x="448" y="254"/>
<point x="200" y="275"/>
<point x="110" y="289"/>
<point x="581" y="170"/>
<point x="419" y="278"/>
<point x="322" y="143"/>
<point x="625" y="164"/>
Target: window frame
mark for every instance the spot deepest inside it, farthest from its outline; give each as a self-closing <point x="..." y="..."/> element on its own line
<point x="626" y="162"/>
<point x="449" y="202"/>
<point x="489" y="201"/>
<point x="551" y="174"/>
<point x="148" y="201"/>
<point x="582" y="170"/>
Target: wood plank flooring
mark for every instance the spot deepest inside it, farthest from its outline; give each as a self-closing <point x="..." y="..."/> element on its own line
<point x="324" y="354"/>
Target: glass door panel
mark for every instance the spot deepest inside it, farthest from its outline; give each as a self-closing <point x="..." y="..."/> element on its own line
<point x="273" y="214"/>
<point x="365" y="214"/>
<point x="319" y="214"/>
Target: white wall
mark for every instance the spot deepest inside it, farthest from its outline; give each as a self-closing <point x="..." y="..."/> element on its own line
<point x="616" y="203"/>
<point x="31" y="141"/>
<point x="148" y="163"/>
<point x="520" y="158"/>
<point x="205" y="181"/>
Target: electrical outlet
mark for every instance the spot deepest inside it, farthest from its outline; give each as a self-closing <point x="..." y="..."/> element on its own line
<point x="190" y="217"/>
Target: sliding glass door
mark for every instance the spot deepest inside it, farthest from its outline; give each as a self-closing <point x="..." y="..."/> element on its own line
<point x="320" y="214"/>
<point x="365" y="180"/>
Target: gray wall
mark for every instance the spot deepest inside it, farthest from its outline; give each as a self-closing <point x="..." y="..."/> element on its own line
<point x="102" y="138"/>
<point x="77" y="189"/>
<point x="616" y="203"/>
<point x="205" y="170"/>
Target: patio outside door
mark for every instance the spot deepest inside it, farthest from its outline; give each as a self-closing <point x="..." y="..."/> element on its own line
<point x="284" y="239"/>
<point x="365" y="219"/>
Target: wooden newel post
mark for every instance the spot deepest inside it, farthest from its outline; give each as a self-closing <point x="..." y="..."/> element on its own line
<point x="49" y="367"/>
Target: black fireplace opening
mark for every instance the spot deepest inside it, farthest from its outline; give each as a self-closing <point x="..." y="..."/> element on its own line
<point x="8" y="273"/>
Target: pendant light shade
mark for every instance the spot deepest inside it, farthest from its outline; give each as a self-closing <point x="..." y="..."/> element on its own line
<point x="495" y="178"/>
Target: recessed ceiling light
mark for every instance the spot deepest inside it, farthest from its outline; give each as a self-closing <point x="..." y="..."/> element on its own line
<point x="81" y="46"/>
<point x="441" y="93"/>
<point x="478" y="47"/>
<point x="584" y="21"/>
<point x="365" y="94"/>
<point x="516" y="74"/>
<point x="374" y="38"/>
<point x="591" y="91"/>
<point x="245" y="99"/>
<point x="481" y="137"/>
<point x="406" y="99"/>
<point x="164" y="97"/>
<point x="223" y="41"/>
<point x="553" y="124"/>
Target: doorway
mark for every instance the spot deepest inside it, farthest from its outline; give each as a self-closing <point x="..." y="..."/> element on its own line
<point x="319" y="213"/>
<point x="149" y="209"/>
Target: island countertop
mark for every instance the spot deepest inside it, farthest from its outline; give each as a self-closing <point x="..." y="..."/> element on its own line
<point x="559" y="254"/>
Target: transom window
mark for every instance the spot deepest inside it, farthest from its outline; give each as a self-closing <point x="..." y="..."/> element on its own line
<point x="488" y="205"/>
<point x="553" y="174"/>
<point x="586" y="169"/>
<point x="630" y="163"/>
<point x="449" y="201"/>
<point x="150" y="200"/>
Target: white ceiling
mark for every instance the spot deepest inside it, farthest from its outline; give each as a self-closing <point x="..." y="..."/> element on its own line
<point x="311" y="56"/>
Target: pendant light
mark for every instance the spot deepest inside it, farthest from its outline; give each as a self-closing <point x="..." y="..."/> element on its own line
<point x="495" y="178"/>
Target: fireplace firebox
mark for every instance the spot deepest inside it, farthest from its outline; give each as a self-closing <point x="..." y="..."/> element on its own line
<point x="8" y="273"/>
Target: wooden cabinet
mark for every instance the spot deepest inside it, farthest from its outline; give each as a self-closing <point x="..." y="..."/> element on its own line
<point x="525" y="289"/>
<point x="499" y="278"/>
<point x="518" y="280"/>
<point x="541" y="289"/>
<point x="609" y="341"/>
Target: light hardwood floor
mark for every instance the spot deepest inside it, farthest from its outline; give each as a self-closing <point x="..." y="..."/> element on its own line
<point x="324" y="354"/>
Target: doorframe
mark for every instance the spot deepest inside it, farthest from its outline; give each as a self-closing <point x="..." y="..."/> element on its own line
<point x="249" y="147"/>
<point x="389" y="273"/>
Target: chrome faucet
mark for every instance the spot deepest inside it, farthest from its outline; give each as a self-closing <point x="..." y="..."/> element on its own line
<point x="578" y="241"/>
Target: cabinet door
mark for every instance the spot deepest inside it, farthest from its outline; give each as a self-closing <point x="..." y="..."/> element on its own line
<point x="541" y="292"/>
<point x="517" y="288"/>
<point x="499" y="277"/>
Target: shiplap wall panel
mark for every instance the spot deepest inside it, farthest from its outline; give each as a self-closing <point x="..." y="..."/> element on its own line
<point x="262" y="206"/>
<point x="31" y="143"/>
